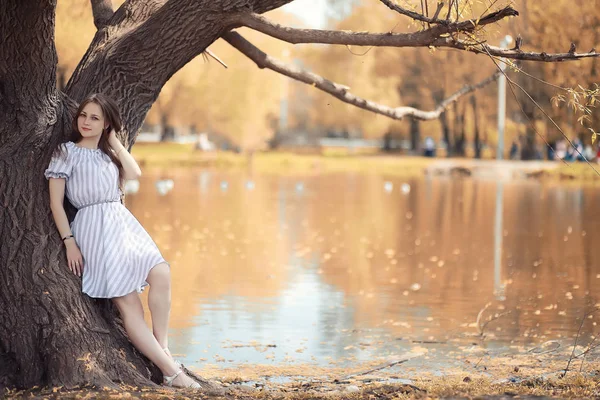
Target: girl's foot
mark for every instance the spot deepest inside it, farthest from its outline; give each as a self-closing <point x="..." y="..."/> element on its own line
<point x="181" y="380"/>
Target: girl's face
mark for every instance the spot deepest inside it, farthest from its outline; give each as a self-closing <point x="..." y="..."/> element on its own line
<point x="91" y="121"/>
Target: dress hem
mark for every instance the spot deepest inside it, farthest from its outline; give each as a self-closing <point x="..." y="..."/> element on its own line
<point x="139" y="288"/>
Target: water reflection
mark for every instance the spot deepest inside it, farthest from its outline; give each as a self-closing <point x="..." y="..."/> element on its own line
<point x="499" y="286"/>
<point x="345" y="270"/>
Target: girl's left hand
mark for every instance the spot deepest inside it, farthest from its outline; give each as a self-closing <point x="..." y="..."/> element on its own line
<point x="112" y="137"/>
<point x="114" y="141"/>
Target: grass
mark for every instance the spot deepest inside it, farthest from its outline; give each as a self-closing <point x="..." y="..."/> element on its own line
<point x="184" y="155"/>
<point x="576" y="171"/>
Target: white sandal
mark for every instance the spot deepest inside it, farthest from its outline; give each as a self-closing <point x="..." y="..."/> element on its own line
<point x="168" y="380"/>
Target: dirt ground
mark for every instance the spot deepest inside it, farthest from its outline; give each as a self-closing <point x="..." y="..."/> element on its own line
<point x="476" y="373"/>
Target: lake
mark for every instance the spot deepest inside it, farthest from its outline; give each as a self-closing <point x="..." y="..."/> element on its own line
<point x="343" y="268"/>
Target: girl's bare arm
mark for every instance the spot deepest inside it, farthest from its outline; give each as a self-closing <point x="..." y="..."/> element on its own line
<point x="57" y="195"/>
<point x="130" y="166"/>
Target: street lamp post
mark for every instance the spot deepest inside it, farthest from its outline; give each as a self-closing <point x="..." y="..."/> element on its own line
<point x="498" y="231"/>
<point x="502" y="100"/>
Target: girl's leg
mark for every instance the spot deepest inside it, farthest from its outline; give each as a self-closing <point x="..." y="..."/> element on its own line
<point x="132" y="313"/>
<point x="159" y="302"/>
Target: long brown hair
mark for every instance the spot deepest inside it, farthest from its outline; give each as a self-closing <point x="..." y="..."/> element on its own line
<point x="112" y="117"/>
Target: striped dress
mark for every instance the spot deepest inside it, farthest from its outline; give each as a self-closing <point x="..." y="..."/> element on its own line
<point x="117" y="252"/>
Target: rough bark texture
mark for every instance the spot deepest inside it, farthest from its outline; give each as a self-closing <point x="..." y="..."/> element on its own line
<point x="50" y="333"/>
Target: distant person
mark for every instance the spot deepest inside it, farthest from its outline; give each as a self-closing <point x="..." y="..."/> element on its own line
<point x="589" y="152"/>
<point x="514" y="150"/>
<point x="577" y="150"/>
<point x="551" y="150"/>
<point x="429" y="147"/>
<point x="561" y="150"/>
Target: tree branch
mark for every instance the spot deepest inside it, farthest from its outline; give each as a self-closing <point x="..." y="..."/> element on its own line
<point x="457" y="26"/>
<point x="412" y="14"/>
<point x="102" y="11"/>
<point x="515" y="54"/>
<point x="341" y="92"/>
<point x="434" y="37"/>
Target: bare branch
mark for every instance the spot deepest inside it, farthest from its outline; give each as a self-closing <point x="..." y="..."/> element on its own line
<point x="434" y="37"/>
<point x="339" y="91"/>
<point x="207" y="53"/>
<point x="412" y="14"/>
<point x="103" y="12"/>
<point x="517" y="54"/>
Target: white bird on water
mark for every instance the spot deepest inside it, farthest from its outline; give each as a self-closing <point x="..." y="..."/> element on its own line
<point x="164" y="186"/>
<point x="131" y="187"/>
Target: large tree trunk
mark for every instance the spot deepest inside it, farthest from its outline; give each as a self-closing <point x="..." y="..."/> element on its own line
<point x="52" y="334"/>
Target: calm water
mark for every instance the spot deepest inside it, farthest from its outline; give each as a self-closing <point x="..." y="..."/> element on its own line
<point x="344" y="268"/>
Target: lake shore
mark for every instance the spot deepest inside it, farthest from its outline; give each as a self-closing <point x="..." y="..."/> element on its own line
<point x="527" y="375"/>
<point x="183" y="155"/>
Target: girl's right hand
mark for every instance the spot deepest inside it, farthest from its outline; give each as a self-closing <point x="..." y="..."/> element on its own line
<point x="74" y="258"/>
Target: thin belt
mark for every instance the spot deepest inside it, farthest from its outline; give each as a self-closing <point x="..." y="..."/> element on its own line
<point x="99" y="202"/>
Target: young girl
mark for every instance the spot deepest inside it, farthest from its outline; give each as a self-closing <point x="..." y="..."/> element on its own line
<point x="105" y="244"/>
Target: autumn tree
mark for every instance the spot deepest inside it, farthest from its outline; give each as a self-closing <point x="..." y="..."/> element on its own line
<point x="424" y="77"/>
<point x="50" y="333"/>
<point x="576" y="84"/>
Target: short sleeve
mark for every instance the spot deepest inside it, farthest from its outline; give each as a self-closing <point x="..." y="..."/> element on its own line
<point x="60" y="165"/>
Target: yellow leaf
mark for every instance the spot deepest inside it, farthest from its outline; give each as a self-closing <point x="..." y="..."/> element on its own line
<point x="594" y="137"/>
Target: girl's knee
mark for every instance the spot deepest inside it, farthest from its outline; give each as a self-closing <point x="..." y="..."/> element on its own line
<point x="128" y="303"/>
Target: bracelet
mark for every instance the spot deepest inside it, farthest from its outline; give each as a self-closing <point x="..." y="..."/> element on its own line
<point x="67" y="237"/>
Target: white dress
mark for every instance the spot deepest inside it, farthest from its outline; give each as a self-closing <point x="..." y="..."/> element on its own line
<point x="117" y="252"/>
